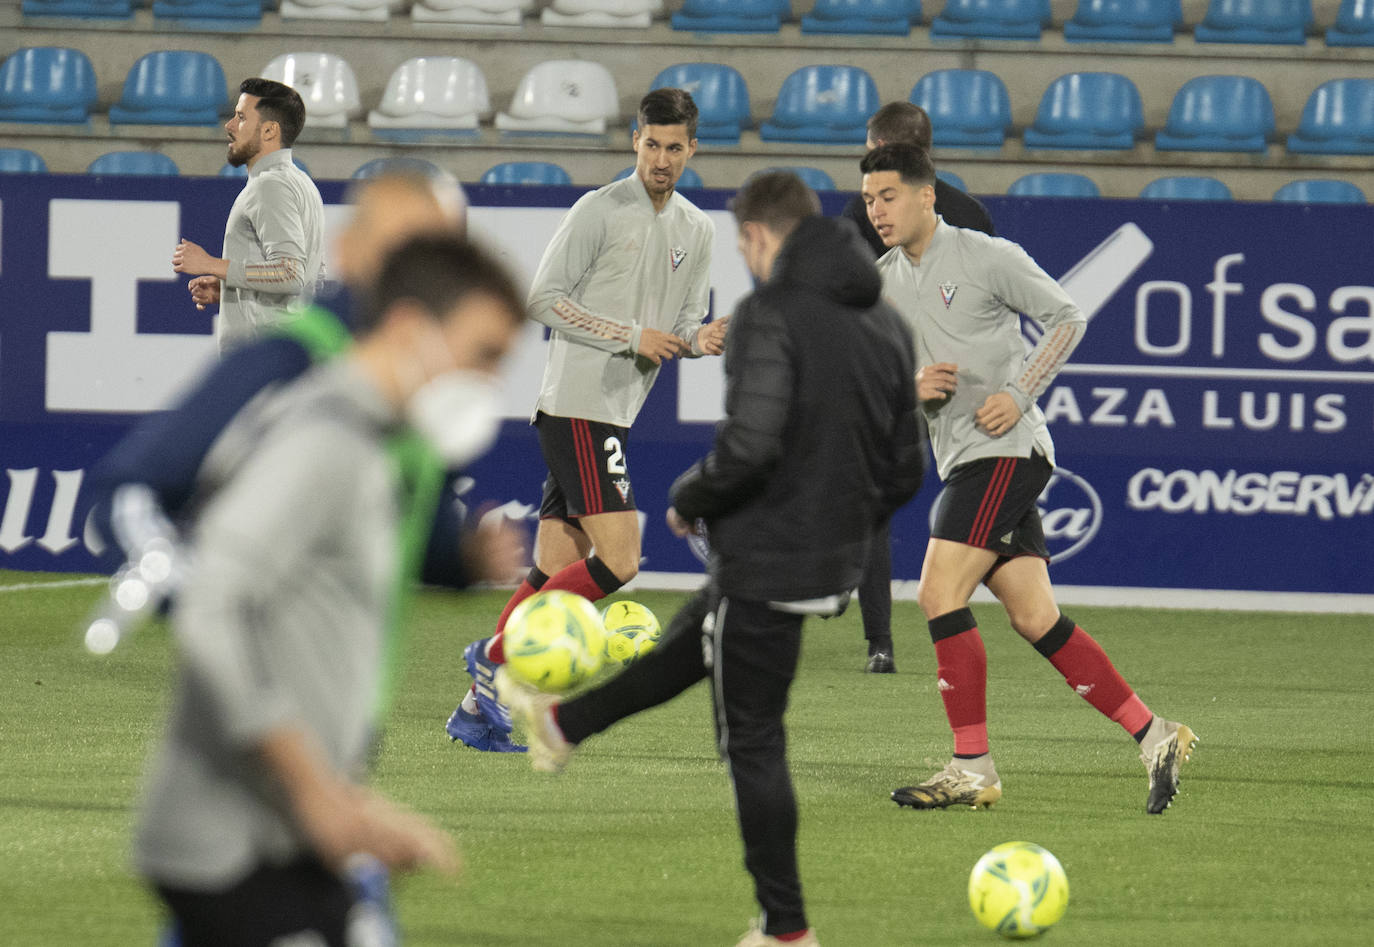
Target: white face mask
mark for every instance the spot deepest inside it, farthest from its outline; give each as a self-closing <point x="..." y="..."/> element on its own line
<point x="459" y="413"/>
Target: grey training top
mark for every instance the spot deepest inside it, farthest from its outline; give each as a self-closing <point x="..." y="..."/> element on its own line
<point x="274" y="242"/>
<point x="961" y="302"/>
<point x="613" y="267"/>
<point x="281" y="623"/>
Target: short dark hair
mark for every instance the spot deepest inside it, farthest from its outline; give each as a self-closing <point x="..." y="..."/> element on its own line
<point x="669" y="107"/>
<point x="900" y="123"/>
<point x="278" y="102"/>
<point x="777" y="199"/>
<point x="438" y="272"/>
<point x="909" y="161"/>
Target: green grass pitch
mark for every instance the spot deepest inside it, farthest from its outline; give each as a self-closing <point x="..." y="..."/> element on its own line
<point x="1270" y="842"/>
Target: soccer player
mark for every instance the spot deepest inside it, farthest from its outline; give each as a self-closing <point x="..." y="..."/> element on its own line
<point x="960" y="291"/>
<point x="253" y="807"/>
<point x="905" y="124"/>
<point x="623" y="285"/>
<point x="820" y="443"/>
<point x="274" y="239"/>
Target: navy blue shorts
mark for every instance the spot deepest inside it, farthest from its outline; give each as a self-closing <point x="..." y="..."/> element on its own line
<point x="990" y="503"/>
<point x="588" y="467"/>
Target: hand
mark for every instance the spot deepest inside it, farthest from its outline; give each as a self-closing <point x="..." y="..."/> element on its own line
<point x="496" y="550"/>
<point x="937" y="382"/>
<point x="998" y="415"/>
<point x="711" y="337"/>
<point x="656" y="345"/>
<point x="191" y="258"/>
<point x="204" y="291"/>
<point x="404" y="840"/>
<point x="678" y="525"/>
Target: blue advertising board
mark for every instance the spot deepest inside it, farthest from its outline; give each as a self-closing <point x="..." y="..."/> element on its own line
<point x="1213" y="429"/>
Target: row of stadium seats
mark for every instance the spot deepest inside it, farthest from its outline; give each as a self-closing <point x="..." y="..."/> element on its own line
<point x="969" y="108"/>
<point x="1039" y="184"/>
<point x="1226" y="21"/>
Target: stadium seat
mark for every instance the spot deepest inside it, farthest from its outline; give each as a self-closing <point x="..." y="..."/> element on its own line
<point x="400" y="164"/>
<point x="1053" y="184"/>
<point x="732" y="16"/>
<point x="892" y="17"/>
<point x="1354" y="24"/>
<point x="376" y="11"/>
<point x="990" y="19"/>
<point x="1124" y="21"/>
<point x="172" y="87"/>
<point x="826" y="104"/>
<point x="229" y="171"/>
<point x="492" y="12"/>
<point x="968" y="108"/>
<point x="21" y="161"/>
<point x="814" y="178"/>
<point x="431" y="95"/>
<point x="1186" y="189"/>
<point x="133" y="162"/>
<point x="1088" y="110"/>
<point x="47" y="85"/>
<point x="1255" y="21"/>
<point x="1320" y="192"/>
<point x="563" y="96"/>
<point x="952" y="179"/>
<point x="527" y="172"/>
<point x="326" y="82"/>
<point x="689" y="177"/>
<point x="721" y="96"/>
<point x="245" y="11"/>
<point x="1338" y="119"/>
<point x="601" y="14"/>
<point x="1218" y="113"/>
<point x="105" y="9"/>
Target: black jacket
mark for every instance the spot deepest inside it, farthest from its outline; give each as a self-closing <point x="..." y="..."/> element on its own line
<point x="957" y="208"/>
<point x="820" y="443"/>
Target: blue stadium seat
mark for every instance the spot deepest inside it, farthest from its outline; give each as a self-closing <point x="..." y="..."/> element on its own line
<point x="1354" y="24"/>
<point x="1255" y="21"/>
<point x="1186" y="189"/>
<point x="968" y="108"/>
<point x="133" y="162"/>
<point x="827" y="104"/>
<point x="814" y="178"/>
<point x="1338" y="119"/>
<point x="689" y="177"/>
<point x="1219" y="113"/>
<point x="721" y="95"/>
<point x="172" y="87"/>
<point x="47" y="85"/>
<point x="104" y="9"/>
<point x="526" y="172"/>
<point x="732" y="16"/>
<point x="229" y="171"/>
<point x="1053" y="184"/>
<point x="892" y="17"/>
<point x="21" y="161"/>
<point x="1320" y="192"/>
<point x="401" y="164"/>
<point x="244" y="11"/>
<point x="1124" y="21"/>
<point x="990" y="19"/>
<point x="952" y="179"/>
<point x="1088" y="110"/>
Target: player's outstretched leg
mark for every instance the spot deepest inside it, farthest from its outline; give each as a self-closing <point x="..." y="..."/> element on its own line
<point x="1164" y="749"/>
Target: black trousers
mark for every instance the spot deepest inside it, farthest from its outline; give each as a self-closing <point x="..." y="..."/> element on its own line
<point x="749" y="652"/>
<point x="875" y="588"/>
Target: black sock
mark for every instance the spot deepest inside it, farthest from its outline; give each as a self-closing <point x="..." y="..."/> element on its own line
<point x="1140" y="734"/>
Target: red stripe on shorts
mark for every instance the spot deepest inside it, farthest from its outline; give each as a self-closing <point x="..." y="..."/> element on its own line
<point x="586" y="467"/>
<point x="992" y="501"/>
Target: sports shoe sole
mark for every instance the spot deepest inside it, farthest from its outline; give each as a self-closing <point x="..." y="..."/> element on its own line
<point x="923" y="797"/>
<point x="1166" y="771"/>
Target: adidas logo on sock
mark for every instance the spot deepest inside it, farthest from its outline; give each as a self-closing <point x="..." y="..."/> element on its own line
<point x="1083" y="690"/>
<point x="944" y="685"/>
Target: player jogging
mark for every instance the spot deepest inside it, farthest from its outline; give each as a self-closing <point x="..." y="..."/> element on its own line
<point x="624" y="284"/>
<point x="960" y="291"/>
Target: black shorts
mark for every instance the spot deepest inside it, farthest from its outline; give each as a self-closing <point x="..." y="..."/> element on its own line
<point x="990" y="503"/>
<point x="588" y="467"/>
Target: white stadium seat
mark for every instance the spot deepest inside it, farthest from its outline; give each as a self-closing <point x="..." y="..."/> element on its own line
<point x="432" y="94"/>
<point x="326" y="83"/>
<point x="371" y="10"/>
<point x="615" y="14"/>
<point x="568" y="96"/>
<point x="497" y="12"/>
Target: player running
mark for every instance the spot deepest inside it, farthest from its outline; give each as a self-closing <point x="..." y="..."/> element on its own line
<point x="960" y="291"/>
<point x="624" y="285"/>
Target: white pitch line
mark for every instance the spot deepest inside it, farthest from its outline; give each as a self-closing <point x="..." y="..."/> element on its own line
<point x="59" y="584"/>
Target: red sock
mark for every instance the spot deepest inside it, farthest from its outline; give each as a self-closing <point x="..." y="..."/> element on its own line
<point x="589" y="578"/>
<point x="963" y="669"/>
<point x="1091" y="674"/>
<point x="794" y="936"/>
<point x="533" y="582"/>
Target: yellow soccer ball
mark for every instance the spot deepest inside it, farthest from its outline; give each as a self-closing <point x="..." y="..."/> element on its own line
<point x="631" y="631"/>
<point x="553" y="641"/>
<point x="1018" y="889"/>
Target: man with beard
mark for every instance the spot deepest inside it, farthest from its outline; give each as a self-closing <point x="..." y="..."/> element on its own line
<point x="274" y="239"/>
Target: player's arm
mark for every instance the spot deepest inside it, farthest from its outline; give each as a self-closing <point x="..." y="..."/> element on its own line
<point x="702" y="338"/>
<point x="749" y="442"/>
<point x="279" y="220"/>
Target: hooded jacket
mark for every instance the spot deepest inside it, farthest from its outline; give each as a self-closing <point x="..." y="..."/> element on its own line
<point x="820" y="443"/>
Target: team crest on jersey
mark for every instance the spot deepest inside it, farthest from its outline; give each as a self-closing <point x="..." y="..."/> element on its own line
<point x="675" y="256"/>
<point x="622" y="486"/>
<point x="947" y="291"/>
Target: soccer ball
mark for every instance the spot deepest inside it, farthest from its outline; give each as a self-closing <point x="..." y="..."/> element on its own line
<point x="553" y="641"/>
<point x="631" y="631"/>
<point x="1018" y="889"/>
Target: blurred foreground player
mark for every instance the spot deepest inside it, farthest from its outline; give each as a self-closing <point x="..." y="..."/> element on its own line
<point x="819" y="445"/>
<point x="254" y="804"/>
<point x="961" y="292"/>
